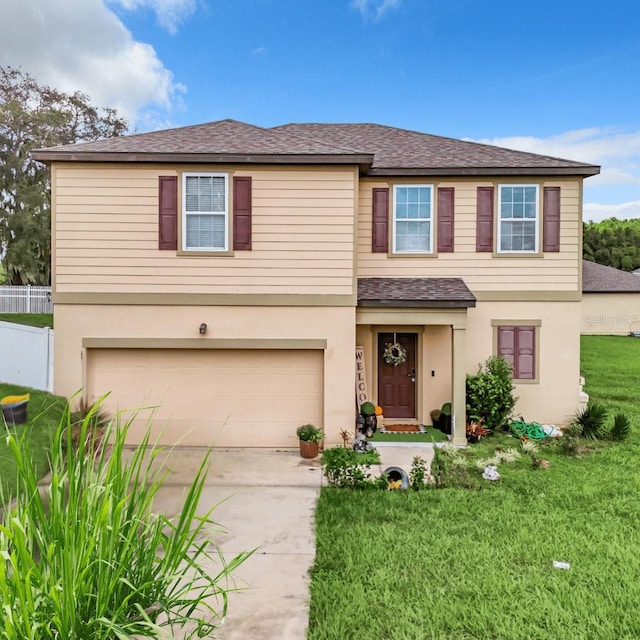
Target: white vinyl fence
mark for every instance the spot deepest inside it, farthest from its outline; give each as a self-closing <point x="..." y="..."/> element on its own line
<point x="26" y="356"/>
<point x="26" y="299"/>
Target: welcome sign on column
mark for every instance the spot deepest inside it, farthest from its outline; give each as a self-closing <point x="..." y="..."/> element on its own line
<point x="361" y="379"/>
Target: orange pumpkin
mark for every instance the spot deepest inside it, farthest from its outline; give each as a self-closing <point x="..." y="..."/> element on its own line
<point x="378" y="410"/>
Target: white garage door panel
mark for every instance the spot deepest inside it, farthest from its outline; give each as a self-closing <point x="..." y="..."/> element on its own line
<point x="230" y="398"/>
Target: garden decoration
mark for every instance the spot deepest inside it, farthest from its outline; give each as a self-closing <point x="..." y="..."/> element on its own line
<point x="491" y="473"/>
<point x="394" y="353"/>
<point x="368" y="422"/>
<point x="531" y="430"/>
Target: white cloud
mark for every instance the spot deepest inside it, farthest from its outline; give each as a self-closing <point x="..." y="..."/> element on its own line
<point x="617" y="151"/>
<point x="593" y="212"/>
<point x="170" y="13"/>
<point x="374" y="9"/>
<point x="82" y="45"/>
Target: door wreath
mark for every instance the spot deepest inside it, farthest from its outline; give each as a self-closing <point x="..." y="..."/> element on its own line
<point x="394" y="353"/>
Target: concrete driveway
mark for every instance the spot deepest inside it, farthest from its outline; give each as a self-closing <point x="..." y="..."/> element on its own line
<point x="267" y="500"/>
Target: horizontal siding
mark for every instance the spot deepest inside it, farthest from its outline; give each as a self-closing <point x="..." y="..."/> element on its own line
<point x="481" y="271"/>
<point x="106" y="235"/>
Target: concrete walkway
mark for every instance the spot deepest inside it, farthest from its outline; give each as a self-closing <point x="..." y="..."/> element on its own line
<point x="266" y="500"/>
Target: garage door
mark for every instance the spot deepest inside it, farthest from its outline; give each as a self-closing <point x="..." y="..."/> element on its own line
<point x="230" y="398"/>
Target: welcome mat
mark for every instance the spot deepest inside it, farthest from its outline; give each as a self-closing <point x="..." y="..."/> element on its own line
<point x="401" y="428"/>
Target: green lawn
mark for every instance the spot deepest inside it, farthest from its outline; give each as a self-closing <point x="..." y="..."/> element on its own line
<point x="431" y="434"/>
<point x="43" y="415"/>
<point x="457" y="564"/>
<point x="31" y="319"/>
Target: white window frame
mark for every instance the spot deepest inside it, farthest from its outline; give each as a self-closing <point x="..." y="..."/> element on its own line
<point x="431" y="218"/>
<point x="536" y="220"/>
<point x="224" y="214"/>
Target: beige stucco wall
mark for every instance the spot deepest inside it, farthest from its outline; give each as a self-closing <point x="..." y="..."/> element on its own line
<point x="156" y="325"/>
<point x="553" y="398"/>
<point x="483" y="272"/>
<point x="105" y="237"/>
<point x="610" y="313"/>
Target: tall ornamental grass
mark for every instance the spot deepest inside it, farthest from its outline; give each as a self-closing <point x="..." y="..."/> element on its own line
<point x="86" y="557"/>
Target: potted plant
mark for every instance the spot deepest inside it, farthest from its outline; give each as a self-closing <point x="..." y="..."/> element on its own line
<point x="441" y="418"/>
<point x="368" y="412"/>
<point x="309" y="437"/>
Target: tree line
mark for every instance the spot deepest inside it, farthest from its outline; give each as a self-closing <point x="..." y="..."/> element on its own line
<point x="612" y="242"/>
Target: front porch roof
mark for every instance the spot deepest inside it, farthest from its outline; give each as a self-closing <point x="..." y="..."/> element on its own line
<point x="447" y="293"/>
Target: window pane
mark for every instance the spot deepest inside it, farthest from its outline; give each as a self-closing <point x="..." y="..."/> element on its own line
<point x="205" y="232"/>
<point x="517" y="235"/>
<point x="530" y="194"/>
<point x="401" y="194"/>
<point x="413" y="236"/>
<point x="507" y="194"/>
<point x="205" y="193"/>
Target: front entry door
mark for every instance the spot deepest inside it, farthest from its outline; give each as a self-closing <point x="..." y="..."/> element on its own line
<point x="397" y="383"/>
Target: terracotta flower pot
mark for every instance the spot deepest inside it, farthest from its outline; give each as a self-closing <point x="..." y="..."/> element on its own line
<point x="308" y="449"/>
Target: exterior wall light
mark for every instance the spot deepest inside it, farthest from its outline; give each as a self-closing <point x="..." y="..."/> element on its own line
<point x="203" y="329"/>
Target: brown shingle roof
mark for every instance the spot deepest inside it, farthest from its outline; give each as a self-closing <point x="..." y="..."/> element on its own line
<point x="597" y="278"/>
<point x="225" y="140"/>
<point x="414" y="292"/>
<point x="397" y="150"/>
<point x="377" y="149"/>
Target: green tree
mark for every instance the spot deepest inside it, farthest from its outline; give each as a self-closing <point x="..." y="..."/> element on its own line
<point x="34" y="116"/>
<point x="613" y="242"/>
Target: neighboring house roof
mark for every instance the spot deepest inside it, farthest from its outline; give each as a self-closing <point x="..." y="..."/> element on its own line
<point x="414" y="292"/>
<point x="596" y="278"/>
<point x="377" y="149"/>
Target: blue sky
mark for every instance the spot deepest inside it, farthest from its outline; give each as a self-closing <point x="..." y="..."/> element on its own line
<point x="559" y="78"/>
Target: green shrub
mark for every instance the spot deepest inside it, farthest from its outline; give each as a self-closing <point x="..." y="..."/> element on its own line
<point x="591" y="419"/>
<point x="346" y="468"/>
<point x="569" y="442"/>
<point x="490" y="394"/>
<point x="621" y="427"/>
<point x="418" y="473"/>
<point x="368" y="409"/>
<point x="87" y="557"/>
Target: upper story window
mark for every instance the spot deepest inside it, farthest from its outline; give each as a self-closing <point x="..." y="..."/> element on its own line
<point x="518" y="218"/>
<point x="413" y="219"/>
<point x="205" y="206"/>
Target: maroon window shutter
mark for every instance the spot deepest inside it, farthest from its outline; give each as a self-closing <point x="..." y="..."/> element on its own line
<point x="551" y="219"/>
<point x="445" y="219"/>
<point x="507" y="344"/>
<point x="168" y="213"/>
<point x="526" y="353"/>
<point x="517" y="345"/>
<point x="484" y="220"/>
<point x="242" y="213"/>
<point x="380" y="221"/>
